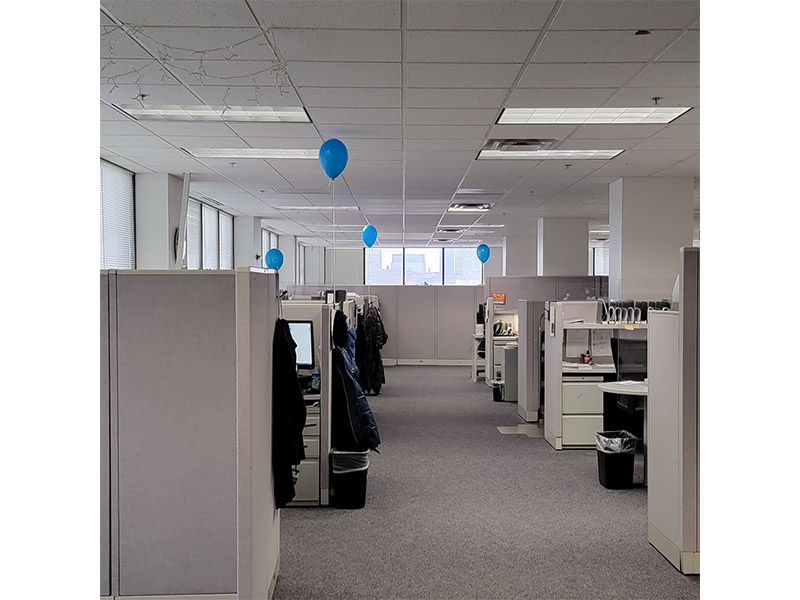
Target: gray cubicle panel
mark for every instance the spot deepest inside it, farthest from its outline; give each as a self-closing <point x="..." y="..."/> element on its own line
<point x="105" y="442"/>
<point x="529" y="375"/>
<point x="177" y="434"/>
<point x="417" y="320"/>
<point x="455" y="321"/>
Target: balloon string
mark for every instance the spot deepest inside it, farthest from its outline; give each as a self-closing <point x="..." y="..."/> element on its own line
<point x="333" y="229"/>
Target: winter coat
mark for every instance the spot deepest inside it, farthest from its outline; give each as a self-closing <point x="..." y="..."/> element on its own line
<point x="374" y="339"/>
<point x="353" y="425"/>
<point x="288" y="414"/>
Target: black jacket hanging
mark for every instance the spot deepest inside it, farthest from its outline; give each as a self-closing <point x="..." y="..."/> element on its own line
<point x="288" y="414"/>
<point x="375" y="338"/>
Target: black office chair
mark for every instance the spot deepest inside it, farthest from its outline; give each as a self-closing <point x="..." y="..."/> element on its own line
<point x="630" y="362"/>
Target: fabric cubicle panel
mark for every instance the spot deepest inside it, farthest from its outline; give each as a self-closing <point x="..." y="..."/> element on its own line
<point x="105" y="442"/>
<point x="177" y="442"/>
<point x="416" y="320"/>
<point x="455" y="321"/>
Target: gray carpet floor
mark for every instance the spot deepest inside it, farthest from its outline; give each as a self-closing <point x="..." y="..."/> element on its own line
<point x="456" y="509"/>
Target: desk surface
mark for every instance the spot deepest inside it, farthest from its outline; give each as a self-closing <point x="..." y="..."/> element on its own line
<point x="634" y="388"/>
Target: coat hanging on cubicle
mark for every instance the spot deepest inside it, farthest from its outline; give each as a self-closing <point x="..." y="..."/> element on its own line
<point x="288" y="414"/>
<point x="375" y="338"/>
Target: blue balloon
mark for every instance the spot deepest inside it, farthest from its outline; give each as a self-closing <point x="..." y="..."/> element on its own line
<point x="274" y="259"/>
<point x="333" y="157"/>
<point x="370" y="235"/>
<point x="483" y="253"/>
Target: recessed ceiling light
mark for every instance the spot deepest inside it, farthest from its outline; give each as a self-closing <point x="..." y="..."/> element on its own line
<point x="469" y="207"/>
<point x="259" y="114"/>
<point x="598" y="231"/>
<point x="482" y="226"/>
<point x="303" y="191"/>
<point x="449" y="230"/>
<point x="479" y="192"/>
<point x="578" y="116"/>
<point x="252" y="152"/>
<point x="548" y="154"/>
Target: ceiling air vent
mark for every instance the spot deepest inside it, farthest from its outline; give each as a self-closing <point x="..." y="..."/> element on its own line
<point x="469" y="206"/>
<point x="449" y="230"/>
<point x="519" y="145"/>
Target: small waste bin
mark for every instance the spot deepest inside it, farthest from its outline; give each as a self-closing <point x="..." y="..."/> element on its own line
<point x="497" y="390"/>
<point x="615" y="453"/>
<point x="349" y="478"/>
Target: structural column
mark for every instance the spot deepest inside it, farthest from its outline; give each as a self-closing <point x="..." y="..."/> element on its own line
<point x="247" y="242"/>
<point x="519" y="256"/>
<point x="158" y="213"/>
<point x="287" y="244"/>
<point x="563" y="247"/>
<point x="650" y="220"/>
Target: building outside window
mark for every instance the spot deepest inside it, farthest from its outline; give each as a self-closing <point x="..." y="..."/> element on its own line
<point x="117" y="228"/>
<point x="423" y="266"/>
<point x="384" y="266"/>
<point x="462" y="267"/>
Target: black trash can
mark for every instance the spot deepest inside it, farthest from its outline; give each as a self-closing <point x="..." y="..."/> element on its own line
<point x="349" y="478"/>
<point x="615" y="454"/>
<point x="498" y="391"/>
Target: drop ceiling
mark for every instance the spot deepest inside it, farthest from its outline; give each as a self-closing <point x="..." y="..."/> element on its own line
<point x="414" y="89"/>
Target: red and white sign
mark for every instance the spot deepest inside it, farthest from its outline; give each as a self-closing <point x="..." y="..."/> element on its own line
<point x="499" y="298"/>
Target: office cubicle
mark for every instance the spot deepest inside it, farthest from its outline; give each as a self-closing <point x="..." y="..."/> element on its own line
<point x="186" y="385"/>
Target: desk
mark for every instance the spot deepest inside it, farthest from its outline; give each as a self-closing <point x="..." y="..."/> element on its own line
<point x="631" y="388"/>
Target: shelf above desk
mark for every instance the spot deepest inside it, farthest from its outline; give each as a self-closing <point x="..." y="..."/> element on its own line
<point x="594" y="369"/>
<point x="605" y="325"/>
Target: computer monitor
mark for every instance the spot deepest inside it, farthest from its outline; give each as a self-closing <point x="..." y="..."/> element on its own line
<point x="630" y="359"/>
<point x="303" y="335"/>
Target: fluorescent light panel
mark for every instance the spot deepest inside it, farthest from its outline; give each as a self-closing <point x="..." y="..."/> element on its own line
<point x="463" y="207"/>
<point x="252" y="153"/>
<point x="257" y="114"/>
<point x="548" y="154"/>
<point x="588" y="116"/>
<point x="316" y="208"/>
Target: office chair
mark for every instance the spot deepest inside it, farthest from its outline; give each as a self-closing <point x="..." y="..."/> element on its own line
<point x="630" y="362"/>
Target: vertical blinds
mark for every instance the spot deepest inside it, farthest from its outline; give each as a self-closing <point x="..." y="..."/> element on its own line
<point x="210" y="238"/>
<point x="264" y="247"/>
<point x="193" y="236"/>
<point x="117" y="233"/>
<point x="225" y="241"/>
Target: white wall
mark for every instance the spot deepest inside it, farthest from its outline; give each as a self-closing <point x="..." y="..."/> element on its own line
<point x="287" y="244"/>
<point x="650" y="220"/>
<point x="494" y="266"/>
<point x="247" y="242"/>
<point x="520" y="255"/>
<point x="158" y="206"/>
<point x="349" y="266"/>
<point x="314" y="265"/>
<point x="562" y="245"/>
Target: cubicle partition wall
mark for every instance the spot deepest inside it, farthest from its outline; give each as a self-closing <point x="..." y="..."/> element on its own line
<point x="673" y="451"/>
<point x="186" y="380"/>
<point x="312" y="488"/>
<point x="530" y="353"/>
<point x="546" y="288"/>
<point x="426" y="325"/>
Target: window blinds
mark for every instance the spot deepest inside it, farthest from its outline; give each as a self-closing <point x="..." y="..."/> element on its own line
<point x="193" y="237"/>
<point x="117" y="233"/>
<point x="225" y="241"/>
<point x="210" y="238"/>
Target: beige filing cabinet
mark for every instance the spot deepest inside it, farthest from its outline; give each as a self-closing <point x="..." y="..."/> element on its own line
<point x="581" y="409"/>
<point x="306" y="487"/>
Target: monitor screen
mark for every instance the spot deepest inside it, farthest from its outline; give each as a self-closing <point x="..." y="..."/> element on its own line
<point x="303" y="335"/>
<point x="630" y="358"/>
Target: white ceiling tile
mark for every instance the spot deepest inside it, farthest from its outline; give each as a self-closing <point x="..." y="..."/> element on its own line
<point x="431" y="145"/>
<point x="243" y="75"/>
<point x="666" y="74"/>
<point x="624" y="14"/>
<point x="345" y="131"/>
<point x="188" y="142"/>
<point x="373" y="144"/>
<point x="454" y="98"/>
<point x="579" y="75"/>
<point x="133" y="166"/>
<point x="273" y="142"/>
<point x="559" y="97"/>
<point x="679" y="130"/>
<point x="600" y="46"/>
<point x="121" y="128"/>
<point x="469" y="46"/>
<point x="338" y="45"/>
<point x="188" y="128"/>
<point x="455" y="116"/>
<point x="109" y="113"/>
<point x="447" y="75"/>
<point x="132" y="73"/>
<point x="656" y="143"/>
<point x="137" y="153"/>
<point x="686" y="49"/>
<point x="278" y="130"/>
<point x="182" y="13"/>
<point x="117" y="45"/>
<point x="557" y="132"/>
<point x="615" y="131"/>
<point x="669" y="96"/>
<point x="134" y="141"/>
<point x="445" y="132"/>
<point x="157" y="95"/>
<point x="346" y="75"/>
<point x="356" y="116"/>
<point x="690" y="117"/>
<point x="685" y="168"/>
<point x="441" y="155"/>
<point x="477" y="15"/>
<point x="342" y="14"/>
<point x="373" y="155"/>
<point x="321" y="97"/>
<point x="599" y="144"/>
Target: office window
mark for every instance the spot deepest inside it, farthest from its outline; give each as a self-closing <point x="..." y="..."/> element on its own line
<point x="462" y="267"/>
<point x="273" y="240"/>
<point x="117" y="233"/>
<point x="383" y="266"/>
<point x="600" y="261"/>
<point x="194" y="237"/>
<point x="423" y="266"/>
<point x="264" y="247"/>
<point x="225" y="241"/>
<point x="210" y="238"/>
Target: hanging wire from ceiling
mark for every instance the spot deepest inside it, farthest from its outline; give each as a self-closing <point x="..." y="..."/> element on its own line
<point x="167" y="55"/>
